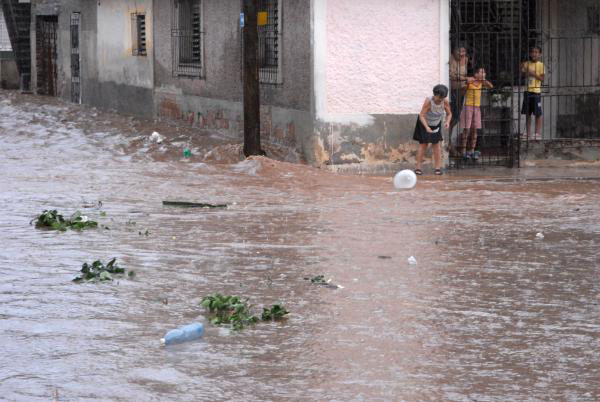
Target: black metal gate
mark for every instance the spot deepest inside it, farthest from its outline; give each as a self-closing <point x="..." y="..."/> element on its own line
<point x="494" y="34"/>
<point x="46" y="27"/>
<point x="75" y="58"/>
<point x="498" y="35"/>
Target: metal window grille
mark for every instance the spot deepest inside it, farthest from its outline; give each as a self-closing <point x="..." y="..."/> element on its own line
<point x="138" y="34"/>
<point x="187" y="38"/>
<point x="494" y="32"/>
<point x="270" y="42"/>
<point x="593" y="14"/>
<point x="75" y="59"/>
<point x="571" y="55"/>
<point x="5" y="45"/>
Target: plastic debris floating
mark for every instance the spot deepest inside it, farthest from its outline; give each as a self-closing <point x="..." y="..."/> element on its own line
<point x="405" y="179"/>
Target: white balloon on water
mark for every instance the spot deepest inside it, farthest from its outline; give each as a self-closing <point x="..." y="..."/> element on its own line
<point x="405" y="179"/>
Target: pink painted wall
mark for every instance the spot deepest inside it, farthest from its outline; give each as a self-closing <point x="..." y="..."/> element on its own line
<point x="383" y="56"/>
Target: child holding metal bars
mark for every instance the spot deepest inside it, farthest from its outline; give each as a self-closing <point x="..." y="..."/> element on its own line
<point x="470" y="118"/>
<point x="532" y="101"/>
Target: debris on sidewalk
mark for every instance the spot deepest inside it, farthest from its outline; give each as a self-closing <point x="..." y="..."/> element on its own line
<point x="248" y="166"/>
<point x="156" y="137"/>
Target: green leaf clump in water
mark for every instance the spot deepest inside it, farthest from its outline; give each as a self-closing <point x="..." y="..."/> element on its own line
<point x="229" y="310"/>
<point x="97" y="271"/>
<point x="51" y="219"/>
<point x="320" y="280"/>
<point x="276" y="312"/>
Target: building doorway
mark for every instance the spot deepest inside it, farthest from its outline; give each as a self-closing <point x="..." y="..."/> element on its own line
<point x="46" y="30"/>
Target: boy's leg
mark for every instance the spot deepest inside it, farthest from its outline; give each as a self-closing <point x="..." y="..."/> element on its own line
<point x="473" y="139"/>
<point x="466" y="122"/>
<point x="538" y="127"/>
<point x="525" y="109"/>
<point x="475" y="126"/>
<point x="437" y="155"/>
<point x="538" y="117"/>
<point x="420" y="154"/>
<point x="463" y="140"/>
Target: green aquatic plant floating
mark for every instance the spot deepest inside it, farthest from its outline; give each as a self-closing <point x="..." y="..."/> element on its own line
<point x="320" y="280"/>
<point x="97" y="271"/>
<point x="229" y="310"/>
<point x="276" y="312"/>
<point x="51" y="219"/>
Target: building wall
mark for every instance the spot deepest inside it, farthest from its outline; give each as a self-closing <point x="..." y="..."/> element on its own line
<point x="124" y="81"/>
<point x="374" y="64"/>
<point x="213" y="102"/>
<point x="111" y="77"/>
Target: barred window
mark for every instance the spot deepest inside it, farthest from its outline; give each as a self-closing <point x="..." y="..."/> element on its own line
<point x="138" y="34"/>
<point x="5" y="45"/>
<point x="269" y="41"/>
<point x="593" y="13"/>
<point x="187" y="35"/>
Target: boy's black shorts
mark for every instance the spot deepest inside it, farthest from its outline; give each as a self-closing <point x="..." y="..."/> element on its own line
<point x="532" y="104"/>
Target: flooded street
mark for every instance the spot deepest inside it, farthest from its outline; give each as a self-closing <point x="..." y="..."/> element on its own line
<point x="488" y="313"/>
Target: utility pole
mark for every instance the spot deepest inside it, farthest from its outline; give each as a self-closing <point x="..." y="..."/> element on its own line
<point x="250" y="77"/>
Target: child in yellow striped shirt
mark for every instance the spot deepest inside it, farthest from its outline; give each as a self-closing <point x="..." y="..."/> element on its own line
<point x="470" y="118"/>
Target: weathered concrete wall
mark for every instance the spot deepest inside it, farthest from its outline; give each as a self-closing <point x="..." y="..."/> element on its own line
<point x="214" y="101"/>
<point x="576" y="150"/>
<point x="9" y="74"/>
<point x="111" y="77"/>
<point x="374" y="64"/>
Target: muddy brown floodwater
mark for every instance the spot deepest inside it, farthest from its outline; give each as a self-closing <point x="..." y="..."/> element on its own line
<point x="488" y="313"/>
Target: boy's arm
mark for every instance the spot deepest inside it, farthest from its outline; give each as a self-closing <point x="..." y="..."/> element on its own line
<point x="488" y="84"/>
<point x="424" y="110"/>
<point x="524" y="67"/>
<point x="542" y="75"/>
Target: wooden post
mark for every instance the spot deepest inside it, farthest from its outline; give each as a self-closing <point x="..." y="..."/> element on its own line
<point x="251" y="80"/>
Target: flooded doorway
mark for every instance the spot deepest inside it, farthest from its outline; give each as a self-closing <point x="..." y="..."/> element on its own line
<point x="46" y="29"/>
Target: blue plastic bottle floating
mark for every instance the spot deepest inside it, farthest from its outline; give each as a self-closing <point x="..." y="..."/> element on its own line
<point x="183" y="334"/>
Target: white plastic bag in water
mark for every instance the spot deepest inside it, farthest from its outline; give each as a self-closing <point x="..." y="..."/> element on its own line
<point x="405" y="179"/>
<point x="156" y="137"/>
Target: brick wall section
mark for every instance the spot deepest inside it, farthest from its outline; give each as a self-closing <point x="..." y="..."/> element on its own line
<point x="228" y="123"/>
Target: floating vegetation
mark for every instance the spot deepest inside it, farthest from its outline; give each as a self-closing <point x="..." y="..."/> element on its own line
<point x="320" y="280"/>
<point x="231" y="310"/>
<point x="51" y="219"/>
<point x="97" y="271"/>
<point x="276" y="312"/>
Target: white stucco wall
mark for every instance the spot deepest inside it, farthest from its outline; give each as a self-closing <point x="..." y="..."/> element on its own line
<point x="376" y="57"/>
<point x="115" y="43"/>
